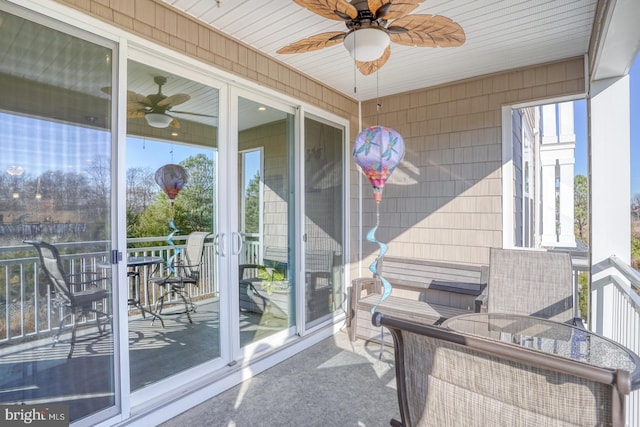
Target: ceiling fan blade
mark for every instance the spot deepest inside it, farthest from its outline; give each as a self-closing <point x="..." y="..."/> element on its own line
<point x="136" y="114"/>
<point x="396" y="9"/>
<point x="136" y="106"/>
<point x="174" y="123"/>
<point x="176" y="99"/>
<point x="338" y="10"/>
<point x="193" y="114"/>
<point x="131" y="95"/>
<point x="317" y="42"/>
<point x="370" y="67"/>
<point x="427" y="31"/>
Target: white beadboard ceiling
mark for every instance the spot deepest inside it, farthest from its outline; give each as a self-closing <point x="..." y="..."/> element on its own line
<point x="500" y="35"/>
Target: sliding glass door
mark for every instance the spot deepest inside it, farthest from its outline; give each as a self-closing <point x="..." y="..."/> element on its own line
<point x="172" y="168"/>
<point x="266" y="288"/>
<point x="56" y="188"/>
<point x="190" y="156"/>
<point x="323" y="220"/>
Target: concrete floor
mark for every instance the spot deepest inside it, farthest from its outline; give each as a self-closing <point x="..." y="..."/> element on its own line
<point x="334" y="383"/>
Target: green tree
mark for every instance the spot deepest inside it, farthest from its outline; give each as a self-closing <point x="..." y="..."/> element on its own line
<point x="635" y="231"/>
<point x="580" y="207"/>
<point x="195" y="203"/>
<point x="252" y="205"/>
<point x="635" y="251"/>
<point x="154" y="221"/>
<point x="193" y="208"/>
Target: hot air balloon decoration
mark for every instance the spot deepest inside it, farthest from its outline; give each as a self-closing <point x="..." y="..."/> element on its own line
<point x="378" y="150"/>
<point x="171" y="178"/>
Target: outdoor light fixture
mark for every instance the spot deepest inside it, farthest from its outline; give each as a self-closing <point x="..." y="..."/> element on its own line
<point x="158" y="120"/>
<point x="366" y="44"/>
<point x="15" y="170"/>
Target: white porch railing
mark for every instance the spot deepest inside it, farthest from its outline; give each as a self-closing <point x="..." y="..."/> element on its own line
<point x="28" y="311"/>
<point x="615" y="313"/>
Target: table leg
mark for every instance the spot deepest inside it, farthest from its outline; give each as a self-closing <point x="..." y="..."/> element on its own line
<point x="135" y="301"/>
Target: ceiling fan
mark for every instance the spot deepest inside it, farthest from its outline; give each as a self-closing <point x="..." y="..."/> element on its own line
<point x="155" y="108"/>
<point x="372" y="24"/>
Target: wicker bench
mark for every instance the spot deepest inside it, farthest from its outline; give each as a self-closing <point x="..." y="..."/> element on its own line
<point x="423" y="291"/>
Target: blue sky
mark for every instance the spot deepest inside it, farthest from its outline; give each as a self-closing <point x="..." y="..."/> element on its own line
<point x="150" y="153"/>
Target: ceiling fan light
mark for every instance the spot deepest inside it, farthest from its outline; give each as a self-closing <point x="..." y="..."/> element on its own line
<point x="158" y="120"/>
<point x="366" y="44"/>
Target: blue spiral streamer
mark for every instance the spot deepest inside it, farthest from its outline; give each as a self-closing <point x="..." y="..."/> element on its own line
<point x="371" y="236"/>
<point x="171" y="242"/>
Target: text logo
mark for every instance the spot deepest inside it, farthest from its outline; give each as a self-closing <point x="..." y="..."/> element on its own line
<point x="34" y="415"/>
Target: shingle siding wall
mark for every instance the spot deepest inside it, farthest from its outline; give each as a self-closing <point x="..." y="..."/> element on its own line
<point x="444" y="202"/>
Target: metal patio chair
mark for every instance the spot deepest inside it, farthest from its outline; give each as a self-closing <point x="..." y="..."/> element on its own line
<point x="250" y="298"/>
<point x="532" y="282"/>
<point x="450" y="379"/>
<point x="77" y="294"/>
<point x="186" y="271"/>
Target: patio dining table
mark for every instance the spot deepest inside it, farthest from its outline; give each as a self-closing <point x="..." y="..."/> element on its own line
<point x="134" y="263"/>
<point x="560" y="339"/>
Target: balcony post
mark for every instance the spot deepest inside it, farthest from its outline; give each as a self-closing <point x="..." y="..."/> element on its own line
<point x="610" y="186"/>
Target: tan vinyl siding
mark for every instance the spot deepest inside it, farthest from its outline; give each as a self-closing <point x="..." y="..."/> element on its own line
<point x="444" y="202"/>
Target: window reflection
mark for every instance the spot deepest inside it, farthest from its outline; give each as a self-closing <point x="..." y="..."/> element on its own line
<point x="55" y="187"/>
<point x="158" y="226"/>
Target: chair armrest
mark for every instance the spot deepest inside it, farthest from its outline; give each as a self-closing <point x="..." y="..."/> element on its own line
<point x="180" y="264"/>
<point x="577" y="321"/>
<point x="481" y="301"/>
<point x="86" y="279"/>
<point x="268" y="270"/>
<point x="369" y="284"/>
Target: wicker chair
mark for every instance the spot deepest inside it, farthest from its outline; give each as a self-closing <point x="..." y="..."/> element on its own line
<point x="532" y="282"/>
<point x="448" y="379"/>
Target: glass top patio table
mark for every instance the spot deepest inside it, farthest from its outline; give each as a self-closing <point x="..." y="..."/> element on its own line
<point x="549" y="336"/>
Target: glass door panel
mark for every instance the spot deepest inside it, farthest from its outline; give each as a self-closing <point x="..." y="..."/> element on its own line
<point x="324" y="191"/>
<point x="172" y="154"/>
<point x="266" y="288"/>
<point x="56" y="188"/>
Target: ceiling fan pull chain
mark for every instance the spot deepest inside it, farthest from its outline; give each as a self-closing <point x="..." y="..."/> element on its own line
<point x="378" y="105"/>
<point x="355" y="86"/>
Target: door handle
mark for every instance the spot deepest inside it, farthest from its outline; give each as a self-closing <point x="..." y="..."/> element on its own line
<point x="218" y="243"/>
<point x="238" y="239"/>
